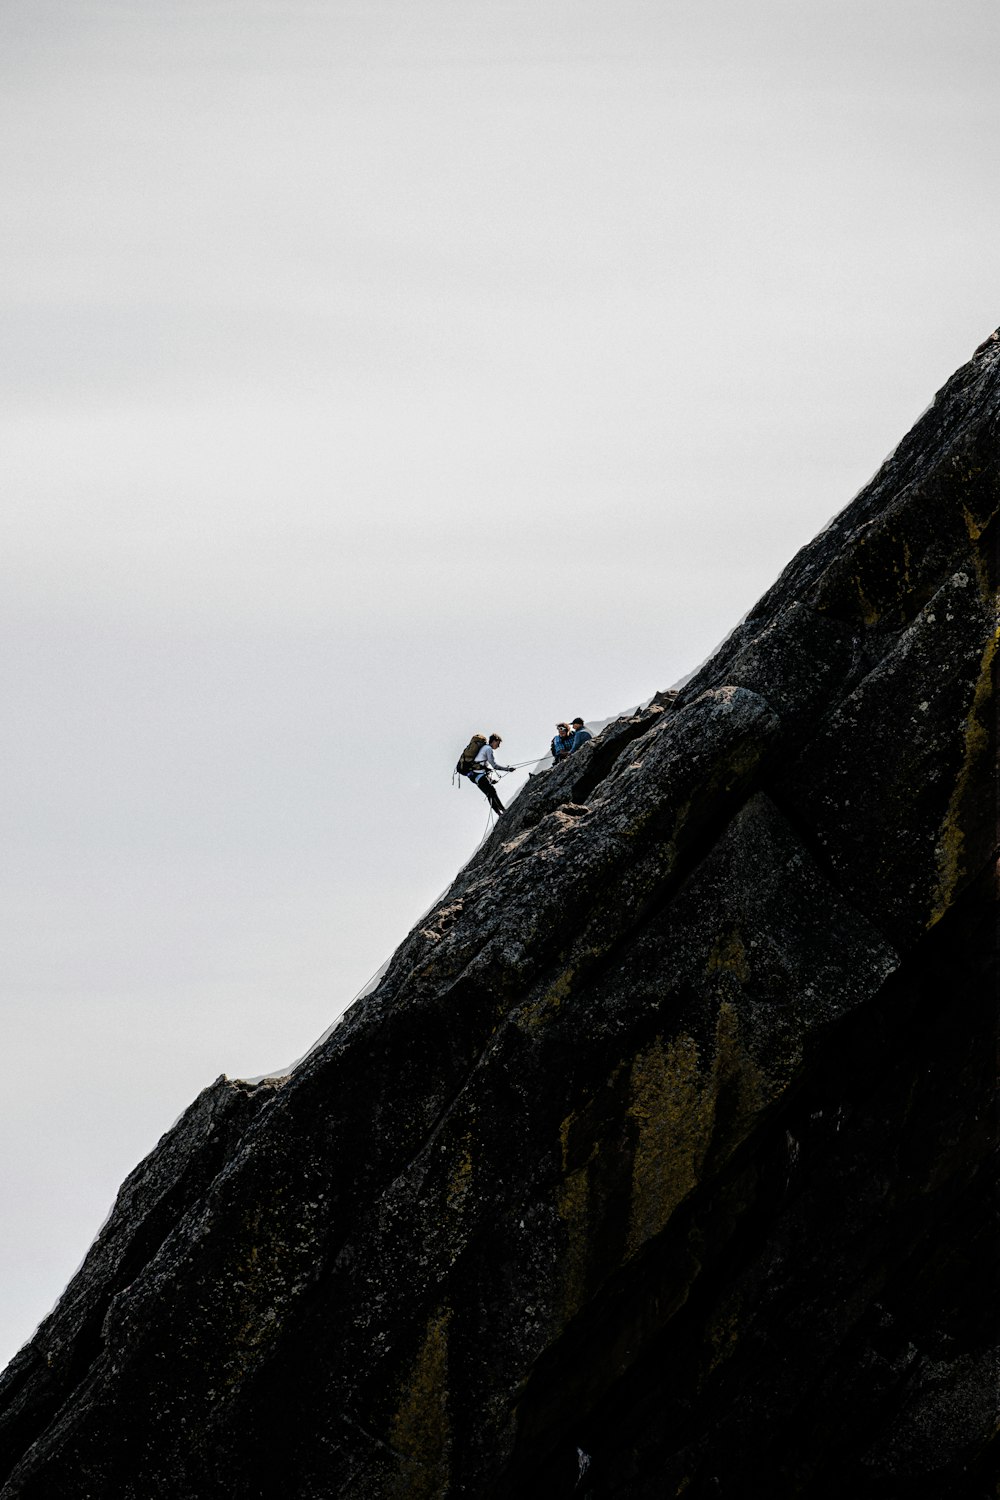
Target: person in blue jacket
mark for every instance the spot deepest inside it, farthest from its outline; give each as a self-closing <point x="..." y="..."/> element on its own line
<point x="581" y="734"/>
<point x="562" y="744"/>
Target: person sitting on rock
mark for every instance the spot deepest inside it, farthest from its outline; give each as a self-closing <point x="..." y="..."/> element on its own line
<point x="482" y="772"/>
<point x="581" y="734"/>
<point x="562" y="744"/>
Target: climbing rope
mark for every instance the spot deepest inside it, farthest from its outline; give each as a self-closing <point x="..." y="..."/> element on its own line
<point x="490" y="820"/>
<point x="519" y="765"/>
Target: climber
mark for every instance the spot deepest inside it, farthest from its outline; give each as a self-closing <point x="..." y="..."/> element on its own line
<point x="562" y="744"/>
<point x="482" y="772"/>
<point x="581" y="734"/>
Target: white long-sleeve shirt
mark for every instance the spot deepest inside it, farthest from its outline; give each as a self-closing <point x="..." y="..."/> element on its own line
<point x="485" y="762"/>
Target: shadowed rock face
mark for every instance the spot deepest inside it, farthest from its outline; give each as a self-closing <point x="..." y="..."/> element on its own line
<point x="659" y="1161"/>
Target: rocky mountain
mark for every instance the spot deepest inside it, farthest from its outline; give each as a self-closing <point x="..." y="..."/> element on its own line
<point x="660" y="1162"/>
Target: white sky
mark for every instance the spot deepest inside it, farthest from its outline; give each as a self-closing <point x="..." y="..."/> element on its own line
<point x="379" y="372"/>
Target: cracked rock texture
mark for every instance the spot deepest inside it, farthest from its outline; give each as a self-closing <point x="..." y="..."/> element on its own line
<point x="660" y="1161"/>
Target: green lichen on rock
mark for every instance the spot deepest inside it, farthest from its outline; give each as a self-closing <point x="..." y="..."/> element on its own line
<point x="420" y="1427"/>
<point x="955" y="863"/>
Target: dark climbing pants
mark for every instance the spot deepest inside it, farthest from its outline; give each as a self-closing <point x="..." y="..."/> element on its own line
<point x="487" y="788"/>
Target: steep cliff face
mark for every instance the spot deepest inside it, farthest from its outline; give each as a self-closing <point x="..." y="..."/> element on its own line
<point x="659" y="1161"/>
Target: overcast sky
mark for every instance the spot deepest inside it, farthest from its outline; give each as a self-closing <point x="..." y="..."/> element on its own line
<point x="378" y="372"/>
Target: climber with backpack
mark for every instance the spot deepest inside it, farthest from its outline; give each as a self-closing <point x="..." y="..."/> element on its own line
<point x="478" y="762"/>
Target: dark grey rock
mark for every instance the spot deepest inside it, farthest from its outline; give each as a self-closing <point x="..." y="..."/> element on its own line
<point x="665" y="1139"/>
